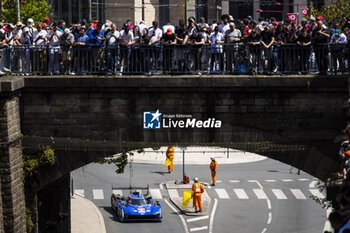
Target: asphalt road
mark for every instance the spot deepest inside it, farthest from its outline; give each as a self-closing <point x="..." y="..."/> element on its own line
<point x="259" y="197"/>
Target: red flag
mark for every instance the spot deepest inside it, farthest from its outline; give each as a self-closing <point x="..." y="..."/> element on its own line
<point x="292" y="17"/>
<point x="304" y="11"/>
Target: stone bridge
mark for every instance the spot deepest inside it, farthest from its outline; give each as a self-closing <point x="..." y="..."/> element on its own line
<point x="297" y="120"/>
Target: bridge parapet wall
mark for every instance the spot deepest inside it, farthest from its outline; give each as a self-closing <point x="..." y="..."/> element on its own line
<point x="12" y="188"/>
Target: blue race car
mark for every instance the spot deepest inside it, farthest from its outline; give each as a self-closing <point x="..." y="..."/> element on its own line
<point x="136" y="206"/>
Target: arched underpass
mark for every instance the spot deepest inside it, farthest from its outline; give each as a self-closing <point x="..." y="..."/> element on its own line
<point x="296" y="120"/>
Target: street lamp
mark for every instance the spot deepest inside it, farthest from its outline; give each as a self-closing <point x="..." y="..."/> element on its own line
<point x="19" y="9"/>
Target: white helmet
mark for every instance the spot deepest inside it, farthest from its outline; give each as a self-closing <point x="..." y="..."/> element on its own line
<point x="195" y="179"/>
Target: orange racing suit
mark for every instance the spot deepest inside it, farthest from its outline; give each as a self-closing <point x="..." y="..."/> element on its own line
<point x="197" y="190"/>
<point x="170" y="156"/>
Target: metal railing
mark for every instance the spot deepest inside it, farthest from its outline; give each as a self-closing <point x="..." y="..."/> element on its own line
<point x="175" y="59"/>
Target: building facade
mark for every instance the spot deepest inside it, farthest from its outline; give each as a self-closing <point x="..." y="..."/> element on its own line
<point x="164" y="11"/>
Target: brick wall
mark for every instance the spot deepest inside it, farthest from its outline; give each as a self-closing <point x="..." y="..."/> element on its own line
<point x="13" y="202"/>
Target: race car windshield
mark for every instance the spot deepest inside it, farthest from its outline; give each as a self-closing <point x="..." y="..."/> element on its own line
<point x="137" y="202"/>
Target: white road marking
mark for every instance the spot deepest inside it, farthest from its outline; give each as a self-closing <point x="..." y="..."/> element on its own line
<point x="298" y="194"/>
<point x="327" y="225"/>
<point x="207" y="185"/>
<point x="270" y="218"/>
<point x="313" y="184"/>
<point x="241" y="194"/>
<point x="234" y="181"/>
<point x="198" y="228"/>
<point x="211" y="222"/>
<point x="180" y="216"/>
<point x="222" y="193"/>
<point x="287" y="180"/>
<point x="257" y="182"/>
<point x="268" y="204"/>
<point x="155" y="193"/>
<point x="279" y="194"/>
<point x="303" y="179"/>
<point x="173" y="193"/>
<point x="260" y="194"/>
<point x="117" y="191"/>
<point x="218" y="181"/>
<point x="270" y="181"/>
<point x="316" y="193"/>
<point x="264" y="230"/>
<point x="98" y="194"/>
<point x="198" y="218"/>
<point x="79" y="192"/>
<point x="161" y="185"/>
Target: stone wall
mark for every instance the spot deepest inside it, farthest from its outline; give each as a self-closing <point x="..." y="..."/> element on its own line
<point x="13" y="203"/>
<point x="251" y="109"/>
<point x="1" y="215"/>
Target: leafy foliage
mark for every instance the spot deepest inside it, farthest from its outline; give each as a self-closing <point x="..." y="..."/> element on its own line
<point x="337" y="10"/>
<point x="322" y="201"/>
<point x="29" y="222"/>
<point x="38" y="10"/>
<point x="120" y="162"/>
<point x="31" y="166"/>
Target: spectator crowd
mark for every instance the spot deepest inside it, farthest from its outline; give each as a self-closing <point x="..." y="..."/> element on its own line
<point x="227" y="46"/>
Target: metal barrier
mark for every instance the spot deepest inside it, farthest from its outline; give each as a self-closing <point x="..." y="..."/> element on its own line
<point x="175" y="59"/>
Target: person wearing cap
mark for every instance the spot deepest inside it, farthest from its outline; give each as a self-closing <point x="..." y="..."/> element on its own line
<point x="53" y="39"/>
<point x="126" y="41"/>
<point x="170" y="155"/>
<point x="253" y="43"/>
<point x="197" y="190"/>
<point x="26" y="40"/>
<point x="167" y="26"/>
<point x="232" y="40"/>
<point x="320" y="37"/>
<point x="337" y="45"/>
<point x="213" y="169"/>
<point x="142" y="26"/>
<point x="66" y="42"/>
<point x="39" y="37"/>
<point x="217" y="55"/>
<point x="168" y="42"/>
<point x="30" y="26"/>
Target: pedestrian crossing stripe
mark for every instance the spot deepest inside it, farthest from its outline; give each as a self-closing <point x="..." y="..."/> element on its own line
<point x="222" y="193"/>
<point x="241" y="194"/>
<point x="279" y="194"/>
<point x="298" y="194"/>
<point x="155" y="193"/>
<point x="260" y="194"/>
<point x="173" y="193"/>
<point x="98" y="194"/>
<point x="317" y="193"/>
<point x="79" y="192"/>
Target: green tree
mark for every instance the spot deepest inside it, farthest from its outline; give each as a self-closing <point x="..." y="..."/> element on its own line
<point x="38" y="10"/>
<point x="337" y="10"/>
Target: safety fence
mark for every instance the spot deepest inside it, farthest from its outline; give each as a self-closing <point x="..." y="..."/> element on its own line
<point x="175" y="59"/>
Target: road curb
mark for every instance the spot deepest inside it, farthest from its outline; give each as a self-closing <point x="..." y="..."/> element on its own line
<point x="177" y="201"/>
<point x="96" y="210"/>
